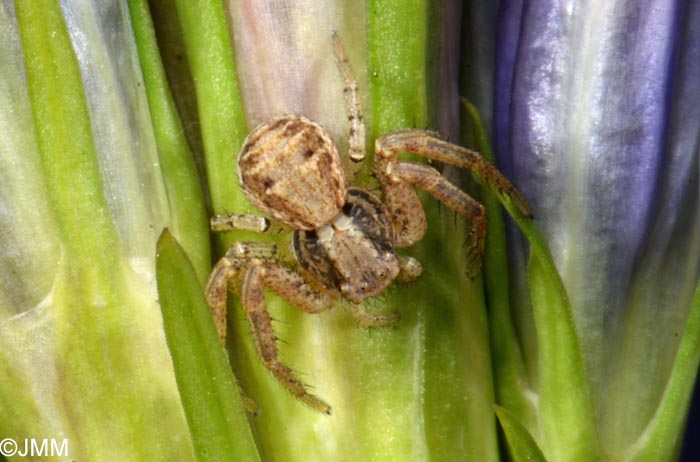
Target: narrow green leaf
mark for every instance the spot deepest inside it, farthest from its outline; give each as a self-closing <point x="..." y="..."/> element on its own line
<point x="65" y="139"/>
<point x="90" y="353"/>
<point x="210" y="55"/>
<point x="523" y="447"/>
<point x="660" y="440"/>
<point x="218" y="425"/>
<point x="188" y="216"/>
<point x="566" y="414"/>
<point x="508" y="366"/>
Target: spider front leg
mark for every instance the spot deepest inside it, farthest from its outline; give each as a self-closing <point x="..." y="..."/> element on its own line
<point x="421" y="143"/>
<point x="429" y="179"/>
<point x="397" y="176"/>
<point x="353" y="105"/>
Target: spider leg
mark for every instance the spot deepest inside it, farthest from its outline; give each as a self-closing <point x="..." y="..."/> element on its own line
<point x="367" y="319"/>
<point x="410" y="269"/>
<point x="404" y="207"/>
<point x="423" y="144"/>
<point x="295" y="289"/>
<point x="225" y="271"/>
<point x="286" y="282"/>
<point x="429" y="179"/>
<point x="353" y="104"/>
<point x="231" y="222"/>
<point x="253" y="263"/>
<point x="230" y="268"/>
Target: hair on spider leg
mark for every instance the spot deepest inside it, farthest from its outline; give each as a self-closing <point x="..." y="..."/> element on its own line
<point x="456" y="218"/>
<point x="279" y="321"/>
<point x="227" y="211"/>
<point x="471" y="256"/>
<point x="349" y="308"/>
<point x="278" y="339"/>
<point x="376" y="313"/>
<point x="194" y="123"/>
<point x="303" y="375"/>
<point x="187" y="126"/>
<point x="379" y="299"/>
<point x="435" y="134"/>
<point x="345" y="304"/>
<point x="276" y="227"/>
<point x="465" y="245"/>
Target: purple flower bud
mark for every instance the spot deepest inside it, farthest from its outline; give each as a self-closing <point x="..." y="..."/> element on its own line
<point x="597" y="121"/>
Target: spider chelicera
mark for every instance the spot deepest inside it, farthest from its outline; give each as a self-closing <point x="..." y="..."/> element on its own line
<point x="344" y="237"/>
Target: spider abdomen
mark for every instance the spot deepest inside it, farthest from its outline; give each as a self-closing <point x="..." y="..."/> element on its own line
<point x="290" y="169"/>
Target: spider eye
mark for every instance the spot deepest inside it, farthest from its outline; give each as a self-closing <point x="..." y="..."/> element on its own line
<point x="389" y="255"/>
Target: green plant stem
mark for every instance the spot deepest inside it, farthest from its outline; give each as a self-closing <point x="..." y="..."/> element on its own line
<point x="443" y="305"/>
<point x="65" y="139"/>
<point x="508" y="366"/>
<point x="219" y="103"/>
<point x="88" y="354"/>
<point x="188" y="217"/>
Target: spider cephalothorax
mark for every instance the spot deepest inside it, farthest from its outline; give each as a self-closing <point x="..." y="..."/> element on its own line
<point x="344" y="237"/>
